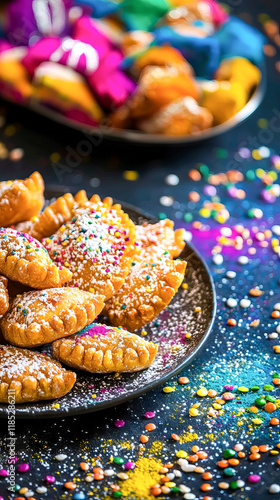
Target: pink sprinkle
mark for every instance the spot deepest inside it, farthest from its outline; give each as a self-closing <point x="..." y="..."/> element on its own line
<point x="129" y="465"/>
<point x="119" y="423"/>
<point x="149" y="414"/>
<point x="228" y="387"/>
<point x="3" y="473"/>
<point x="50" y="479"/>
<point x="228" y="396"/>
<point x="254" y="478"/>
<point x="23" y="468"/>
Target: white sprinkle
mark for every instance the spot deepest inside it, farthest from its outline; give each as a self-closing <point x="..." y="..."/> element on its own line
<point x="89" y="479"/>
<point x="273" y="335"/>
<point x="276" y="230"/>
<point x="244" y="303"/>
<point x="60" y="457"/>
<point x="218" y="259"/>
<point x="264" y="151"/>
<point x="177" y="473"/>
<point x="183" y="488"/>
<point x="109" y="472"/>
<point x="275" y="190"/>
<point x="243" y="260"/>
<point x="165" y="490"/>
<point x="277" y="306"/>
<point x="231" y="302"/>
<point x="274" y="488"/>
<point x="278" y="329"/>
<point x="41" y="489"/>
<point x="187" y="236"/>
<point x="188" y="468"/>
<point x="231" y="274"/>
<point x="240" y="483"/>
<point x="166" y="201"/>
<point x="122" y="475"/>
<point x="170" y="475"/>
<point x="29" y="494"/>
<point x="226" y="231"/>
<point x="238" y="447"/>
<point x="189" y="496"/>
<point x="172" y="180"/>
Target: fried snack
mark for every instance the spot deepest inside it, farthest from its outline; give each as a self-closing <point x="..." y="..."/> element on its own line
<point x="158" y="86"/>
<point x="154" y="239"/>
<point x="24" y="259"/>
<point x="20" y="200"/>
<point x="239" y="69"/>
<point x="223" y="99"/>
<point x="31" y="376"/>
<point x="97" y="245"/>
<point x="181" y="117"/>
<point x="4" y="295"/>
<point x="51" y="219"/>
<point x="81" y="197"/>
<point x="165" y="56"/>
<point x="147" y="290"/>
<point x="38" y="317"/>
<point x="104" y="349"/>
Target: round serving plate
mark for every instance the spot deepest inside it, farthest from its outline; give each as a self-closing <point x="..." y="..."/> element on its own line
<point x="168" y="331"/>
<point x="134" y="136"/>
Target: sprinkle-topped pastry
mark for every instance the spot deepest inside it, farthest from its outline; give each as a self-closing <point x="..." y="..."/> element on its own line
<point x="24" y="259"/>
<point x="157" y="238"/>
<point x="38" y="317"/>
<point x="4" y="295"/>
<point x="102" y="349"/>
<point x="20" y="200"/>
<point x="51" y="219"/>
<point x="31" y="376"/>
<point x="96" y="245"/>
<point x="149" y="287"/>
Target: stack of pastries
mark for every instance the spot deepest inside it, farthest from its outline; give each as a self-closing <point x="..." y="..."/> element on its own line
<point x="61" y="267"/>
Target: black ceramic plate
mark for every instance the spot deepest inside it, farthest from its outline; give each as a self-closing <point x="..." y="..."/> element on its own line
<point x="168" y="331"/>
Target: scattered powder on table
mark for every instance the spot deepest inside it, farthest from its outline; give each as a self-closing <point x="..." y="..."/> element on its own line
<point x="145" y="475"/>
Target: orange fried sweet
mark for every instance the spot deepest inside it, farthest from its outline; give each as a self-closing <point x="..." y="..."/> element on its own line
<point x="181" y="117"/>
<point x="157" y="238"/>
<point x="148" y="289"/>
<point x="24" y="259"/>
<point x="165" y="56"/>
<point x="158" y="86"/>
<point x="96" y="245"/>
<point x="51" y="219"/>
<point x="31" y="376"/>
<point x="104" y="349"/>
<point x="20" y="200"/>
<point x="39" y="317"/>
<point x="4" y="295"/>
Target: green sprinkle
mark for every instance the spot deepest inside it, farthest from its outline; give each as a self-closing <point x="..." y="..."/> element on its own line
<point x="123" y="306"/>
<point x="162" y="216"/>
<point x="118" y="460"/>
<point x="228" y="453"/>
<point x="271" y="399"/>
<point x="255" y="388"/>
<point x="148" y="277"/>
<point x="260" y="401"/>
<point x="250" y="175"/>
<point x="268" y="387"/>
<point x="204" y="170"/>
<point x="229" y="471"/>
<point x="188" y="217"/>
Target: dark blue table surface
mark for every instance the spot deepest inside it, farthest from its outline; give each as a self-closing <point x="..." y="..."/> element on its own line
<point x="238" y="356"/>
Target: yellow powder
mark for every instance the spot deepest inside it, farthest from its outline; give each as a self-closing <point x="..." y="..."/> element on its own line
<point x="188" y="437"/>
<point x="156" y="448"/>
<point x="145" y="475"/>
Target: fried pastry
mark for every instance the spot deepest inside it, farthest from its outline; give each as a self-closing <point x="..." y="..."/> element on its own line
<point x="51" y="219"/>
<point x="20" y="200"/>
<point x="148" y="289"/>
<point x="103" y="349"/>
<point x="38" y="317"/>
<point x="24" y="259"/>
<point x="81" y="197"/>
<point x="4" y="295"/>
<point x="97" y="245"/>
<point x="30" y="376"/>
<point x="156" y="238"/>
